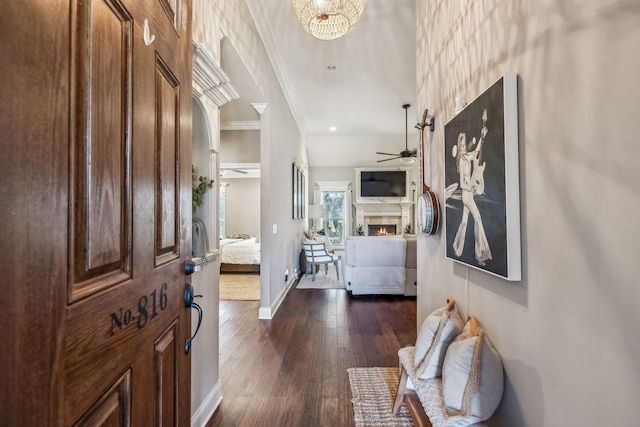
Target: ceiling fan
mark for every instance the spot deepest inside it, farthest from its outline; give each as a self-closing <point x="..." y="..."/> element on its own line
<point x="223" y="171"/>
<point x="406" y="155"/>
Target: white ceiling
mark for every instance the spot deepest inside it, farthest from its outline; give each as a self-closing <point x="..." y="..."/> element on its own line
<point x="363" y="98"/>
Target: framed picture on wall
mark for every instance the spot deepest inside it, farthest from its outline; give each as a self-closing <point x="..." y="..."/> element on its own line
<point x="299" y="178"/>
<point x="303" y="199"/>
<point x="482" y="201"/>
<point x="297" y="192"/>
<point x="294" y="191"/>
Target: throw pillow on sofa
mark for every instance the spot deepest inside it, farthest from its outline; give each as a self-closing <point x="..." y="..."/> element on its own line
<point x="436" y="333"/>
<point x="472" y="376"/>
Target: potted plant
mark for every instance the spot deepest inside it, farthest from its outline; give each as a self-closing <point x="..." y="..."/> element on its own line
<point x="200" y="185"/>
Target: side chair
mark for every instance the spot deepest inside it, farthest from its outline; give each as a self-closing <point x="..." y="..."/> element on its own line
<point x="316" y="254"/>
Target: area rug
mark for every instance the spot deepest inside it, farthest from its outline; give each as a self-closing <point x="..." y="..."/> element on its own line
<point x="240" y="287"/>
<point x="323" y="281"/>
<point x="373" y="392"/>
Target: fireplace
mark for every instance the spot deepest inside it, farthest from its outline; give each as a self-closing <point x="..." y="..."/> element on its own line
<point x="381" y="230"/>
<point x="383" y="214"/>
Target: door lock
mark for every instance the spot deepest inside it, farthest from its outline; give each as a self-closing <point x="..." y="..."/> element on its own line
<point x="190" y="267"/>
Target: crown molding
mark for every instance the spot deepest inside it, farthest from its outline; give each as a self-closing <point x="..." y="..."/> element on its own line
<point x="209" y="80"/>
<point x="260" y="107"/>
<point x="265" y="29"/>
<point x="240" y="125"/>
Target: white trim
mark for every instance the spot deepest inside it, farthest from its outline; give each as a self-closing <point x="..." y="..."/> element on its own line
<point x="202" y="415"/>
<point x="260" y="107"/>
<point x="239" y="165"/>
<point x="209" y="79"/>
<point x="264" y="313"/>
<point x="512" y="177"/>
<point x="240" y="125"/>
<point x="267" y="313"/>
<point x="333" y="185"/>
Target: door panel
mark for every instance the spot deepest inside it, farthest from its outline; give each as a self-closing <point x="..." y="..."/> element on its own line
<point x="101" y="51"/>
<point x="113" y="408"/>
<point x="118" y="331"/>
<point x="167" y="116"/>
<point x="172" y="10"/>
<point x="166" y="368"/>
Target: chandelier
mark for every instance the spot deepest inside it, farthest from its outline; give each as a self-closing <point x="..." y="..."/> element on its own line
<point x="328" y="19"/>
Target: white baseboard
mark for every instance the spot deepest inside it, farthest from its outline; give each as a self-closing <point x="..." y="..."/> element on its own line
<point x="208" y="407"/>
<point x="266" y="313"/>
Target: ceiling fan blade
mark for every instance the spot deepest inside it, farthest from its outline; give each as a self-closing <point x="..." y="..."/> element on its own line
<point x="414" y="151"/>
<point x="235" y="170"/>
<point x="386" y="160"/>
<point x="387" y="154"/>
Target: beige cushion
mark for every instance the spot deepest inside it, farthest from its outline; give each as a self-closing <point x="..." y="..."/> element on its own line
<point x="472" y="375"/>
<point x="435" y="335"/>
<point x="430" y="394"/>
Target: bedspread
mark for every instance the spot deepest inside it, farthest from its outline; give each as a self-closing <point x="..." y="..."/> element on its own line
<point x="240" y="251"/>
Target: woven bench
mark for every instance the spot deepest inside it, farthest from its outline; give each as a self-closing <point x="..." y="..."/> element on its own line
<point x="428" y="393"/>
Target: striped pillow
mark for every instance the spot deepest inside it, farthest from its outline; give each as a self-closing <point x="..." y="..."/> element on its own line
<point x="472" y="375"/>
<point x="435" y="335"/>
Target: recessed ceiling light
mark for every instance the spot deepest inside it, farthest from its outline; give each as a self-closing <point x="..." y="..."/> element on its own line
<point x="331" y="67"/>
<point x="332" y="128"/>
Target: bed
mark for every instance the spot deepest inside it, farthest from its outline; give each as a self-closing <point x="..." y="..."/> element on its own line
<point x="239" y="256"/>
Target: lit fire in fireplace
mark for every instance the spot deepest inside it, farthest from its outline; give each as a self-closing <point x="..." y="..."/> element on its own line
<point x="382" y="230"/>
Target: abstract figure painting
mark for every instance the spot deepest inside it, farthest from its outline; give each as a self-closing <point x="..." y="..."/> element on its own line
<point x="482" y="202"/>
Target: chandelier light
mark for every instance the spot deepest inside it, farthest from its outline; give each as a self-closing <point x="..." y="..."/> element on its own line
<point x="328" y="19"/>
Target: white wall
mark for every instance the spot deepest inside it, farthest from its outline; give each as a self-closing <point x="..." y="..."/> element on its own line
<point x="242" y="195"/>
<point x="239" y="146"/>
<point x="242" y="206"/>
<point x="317" y="174"/>
<point x="567" y="331"/>
<point x="359" y="150"/>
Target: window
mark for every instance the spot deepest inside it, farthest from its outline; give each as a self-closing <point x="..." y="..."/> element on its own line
<point x="333" y="206"/>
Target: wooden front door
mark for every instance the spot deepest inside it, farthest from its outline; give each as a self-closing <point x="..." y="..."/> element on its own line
<point x="96" y="121"/>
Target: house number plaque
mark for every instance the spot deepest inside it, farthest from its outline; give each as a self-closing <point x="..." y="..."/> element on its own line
<point x="147" y="307"/>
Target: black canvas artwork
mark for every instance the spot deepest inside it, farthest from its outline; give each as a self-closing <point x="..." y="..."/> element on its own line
<point x="482" y="215"/>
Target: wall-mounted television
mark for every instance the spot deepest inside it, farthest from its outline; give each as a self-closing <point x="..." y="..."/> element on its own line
<point x="383" y="183"/>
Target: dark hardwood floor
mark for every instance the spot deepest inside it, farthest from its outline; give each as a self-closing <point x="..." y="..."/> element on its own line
<point x="292" y="370"/>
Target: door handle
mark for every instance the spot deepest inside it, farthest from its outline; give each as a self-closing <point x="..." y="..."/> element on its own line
<point x="188" y="302"/>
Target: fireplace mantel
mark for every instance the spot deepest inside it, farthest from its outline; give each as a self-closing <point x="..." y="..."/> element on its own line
<point x="401" y="210"/>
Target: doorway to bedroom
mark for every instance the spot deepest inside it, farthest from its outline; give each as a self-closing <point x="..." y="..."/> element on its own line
<point x="239" y="183"/>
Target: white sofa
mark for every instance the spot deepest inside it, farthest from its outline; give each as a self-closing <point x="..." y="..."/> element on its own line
<point x="380" y="265"/>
